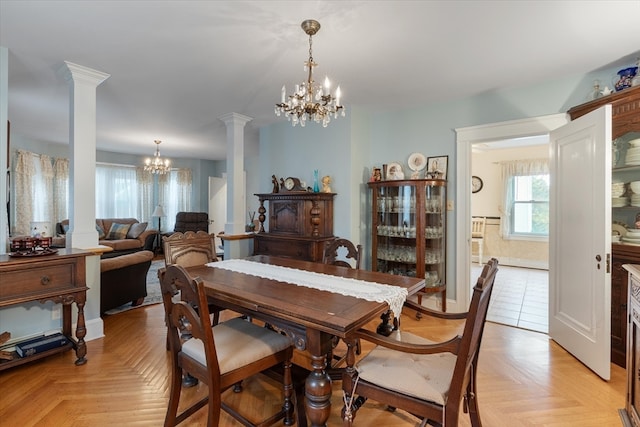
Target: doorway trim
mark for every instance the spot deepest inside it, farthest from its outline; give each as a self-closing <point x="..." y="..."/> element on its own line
<point x="465" y="138"/>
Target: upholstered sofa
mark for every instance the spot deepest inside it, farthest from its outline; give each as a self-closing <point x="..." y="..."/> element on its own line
<point x="123" y="279"/>
<point x="126" y="236"/>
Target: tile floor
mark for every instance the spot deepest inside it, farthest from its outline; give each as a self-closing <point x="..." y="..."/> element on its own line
<point x="520" y="297"/>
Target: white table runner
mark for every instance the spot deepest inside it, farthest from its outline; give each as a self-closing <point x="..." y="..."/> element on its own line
<point x="395" y="296"/>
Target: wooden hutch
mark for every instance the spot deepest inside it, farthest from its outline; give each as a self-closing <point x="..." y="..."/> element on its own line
<point x="625" y="126"/>
<point x="300" y="224"/>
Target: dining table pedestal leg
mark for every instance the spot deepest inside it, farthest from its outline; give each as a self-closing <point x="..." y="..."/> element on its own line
<point x="318" y="383"/>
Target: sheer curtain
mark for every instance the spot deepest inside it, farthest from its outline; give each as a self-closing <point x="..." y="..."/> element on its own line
<point x="36" y="196"/>
<point x="145" y="195"/>
<point x="174" y="195"/>
<point x="116" y="191"/>
<point x="511" y="169"/>
<point x="60" y="189"/>
<point x="24" y="173"/>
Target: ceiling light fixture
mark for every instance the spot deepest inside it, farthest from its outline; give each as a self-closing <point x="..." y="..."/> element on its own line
<point x="157" y="165"/>
<point x="310" y="101"/>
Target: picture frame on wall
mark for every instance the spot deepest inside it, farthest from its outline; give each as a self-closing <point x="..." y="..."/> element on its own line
<point x="437" y="167"/>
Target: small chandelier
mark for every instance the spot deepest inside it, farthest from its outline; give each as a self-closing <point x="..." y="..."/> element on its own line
<point x="157" y="165"/>
<point x="310" y="101"/>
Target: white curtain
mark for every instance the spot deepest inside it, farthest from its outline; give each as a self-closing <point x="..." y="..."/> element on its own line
<point x="60" y="189"/>
<point x="43" y="191"/>
<point x="24" y="173"/>
<point x="145" y="195"/>
<point x="511" y="169"/>
<point x="174" y="195"/>
<point x="116" y="192"/>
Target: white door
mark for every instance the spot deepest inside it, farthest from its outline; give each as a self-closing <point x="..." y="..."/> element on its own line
<point x="217" y="204"/>
<point x="580" y="239"/>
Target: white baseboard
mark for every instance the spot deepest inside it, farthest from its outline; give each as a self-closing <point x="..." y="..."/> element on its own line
<point x="95" y="329"/>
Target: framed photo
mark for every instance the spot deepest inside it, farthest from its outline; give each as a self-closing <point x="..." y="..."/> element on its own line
<point x="437" y="167"/>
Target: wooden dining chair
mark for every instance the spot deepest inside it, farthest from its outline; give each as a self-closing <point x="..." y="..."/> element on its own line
<point x="219" y="356"/>
<point x="343" y="253"/>
<point x="190" y="249"/>
<point x="333" y="253"/>
<point x="424" y="378"/>
<point x="478" y="225"/>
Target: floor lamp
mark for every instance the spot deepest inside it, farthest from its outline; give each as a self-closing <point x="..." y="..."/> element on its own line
<point x="158" y="212"/>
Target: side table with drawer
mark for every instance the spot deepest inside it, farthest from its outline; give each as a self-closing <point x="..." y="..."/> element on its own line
<point x="60" y="278"/>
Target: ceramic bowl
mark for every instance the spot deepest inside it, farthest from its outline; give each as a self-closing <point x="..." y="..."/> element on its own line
<point x="635" y="186"/>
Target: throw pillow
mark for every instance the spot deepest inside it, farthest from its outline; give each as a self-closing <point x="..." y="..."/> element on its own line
<point x="101" y="234"/>
<point x="118" y="231"/>
<point x="136" y="230"/>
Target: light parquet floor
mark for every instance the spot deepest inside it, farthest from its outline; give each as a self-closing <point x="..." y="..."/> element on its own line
<point x="525" y="379"/>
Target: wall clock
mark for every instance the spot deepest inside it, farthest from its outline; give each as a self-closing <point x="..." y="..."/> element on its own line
<point x="476" y="184"/>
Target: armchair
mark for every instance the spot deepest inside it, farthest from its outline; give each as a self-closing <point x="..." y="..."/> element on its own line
<point x="427" y="379"/>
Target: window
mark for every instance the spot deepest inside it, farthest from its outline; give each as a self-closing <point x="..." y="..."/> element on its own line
<point x="530" y="209"/>
<point x="525" y="211"/>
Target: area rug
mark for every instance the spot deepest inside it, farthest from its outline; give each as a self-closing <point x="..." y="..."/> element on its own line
<point x="154" y="296"/>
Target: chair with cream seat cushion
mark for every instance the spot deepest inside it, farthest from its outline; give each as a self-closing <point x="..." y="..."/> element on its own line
<point x="426" y="379"/>
<point x="219" y="356"/>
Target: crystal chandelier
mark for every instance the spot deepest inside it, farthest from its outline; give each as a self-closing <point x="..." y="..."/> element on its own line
<point x="310" y="101"/>
<point x="157" y="165"/>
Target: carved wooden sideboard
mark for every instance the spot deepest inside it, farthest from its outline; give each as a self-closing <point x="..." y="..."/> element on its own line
<point x="60" y="278"/>
<point x="300" y="224"/>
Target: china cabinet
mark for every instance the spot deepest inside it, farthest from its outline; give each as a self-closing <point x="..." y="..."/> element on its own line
<point x="300" y="224"/>
<point x="409" y="231"/>
<point x="625" y="123"/>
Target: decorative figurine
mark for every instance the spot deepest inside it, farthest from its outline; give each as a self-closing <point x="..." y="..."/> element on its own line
<point x="377" y="175"/>
<point x="276" y="187"/>
<point x="326" y="180"/>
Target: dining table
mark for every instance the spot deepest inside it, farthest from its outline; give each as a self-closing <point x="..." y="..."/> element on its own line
<point x="290" y="295"/>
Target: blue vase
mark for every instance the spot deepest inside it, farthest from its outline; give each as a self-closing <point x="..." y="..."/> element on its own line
<point x="316" y="187"/>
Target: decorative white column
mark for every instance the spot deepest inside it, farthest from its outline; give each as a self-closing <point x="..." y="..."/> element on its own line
<point x="83" y="82"/>
<point x="236" y="186"/>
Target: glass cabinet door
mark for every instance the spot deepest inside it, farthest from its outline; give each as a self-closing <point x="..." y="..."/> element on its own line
<point x="409" y="231"/>
<point x="434" y="232"/>
<point x="396" y="230"/>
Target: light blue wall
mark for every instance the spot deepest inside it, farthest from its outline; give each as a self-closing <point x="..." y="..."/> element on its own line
<point x="350" y="146"/>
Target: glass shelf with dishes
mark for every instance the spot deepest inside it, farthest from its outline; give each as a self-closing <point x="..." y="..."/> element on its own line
<point x="625" y="179"/>
<point x="409" y="230"/>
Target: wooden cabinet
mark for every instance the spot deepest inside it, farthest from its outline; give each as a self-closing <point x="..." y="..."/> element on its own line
<point x="631" y="415"/>
<point x="409" y="231"/>
<point x="625" y="123"/>
<point x="60" y="278"/>
<point x="621" y="255"/>
<point x="300" y="224"/>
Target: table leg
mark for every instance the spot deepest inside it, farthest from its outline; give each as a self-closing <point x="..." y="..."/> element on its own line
<point x="318" y="384"/>
<point x="81" y="332"/>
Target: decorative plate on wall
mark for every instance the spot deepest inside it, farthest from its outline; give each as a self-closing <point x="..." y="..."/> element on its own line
<point x="417" y="162"/>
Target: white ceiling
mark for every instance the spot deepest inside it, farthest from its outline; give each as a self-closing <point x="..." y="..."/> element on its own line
<point x="177" y="66"/>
